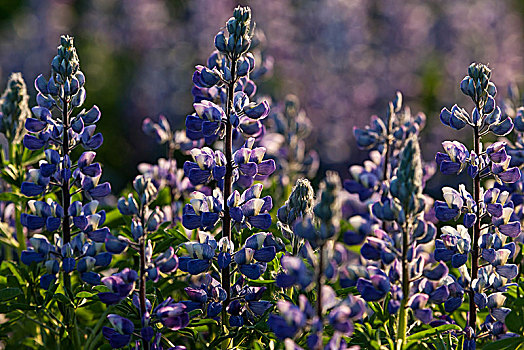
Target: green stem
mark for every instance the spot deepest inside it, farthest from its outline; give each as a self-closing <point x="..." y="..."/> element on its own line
<point x="228" y="182"/>
<point x="142" y="282"/>
<point x="42" y="325"/>
<point x="472" y="320"/>
<point x="403" y="315"/>
<point x="20" y="237"/>
<point x="319" y="293"/>
<point x="94" y="332"/>
<point x="76" y="335"/>
<point x="66" y="196"/>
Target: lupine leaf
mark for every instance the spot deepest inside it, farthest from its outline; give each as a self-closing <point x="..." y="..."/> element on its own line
<point x="504" y="344"/>
<point x="84" y="294"/>
<point x="432" y="332"/>
<point x="9" y="293"/>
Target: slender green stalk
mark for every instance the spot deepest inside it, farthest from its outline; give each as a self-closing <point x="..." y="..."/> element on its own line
<point x="91" y="340"/>
<point x="320" y="272"/>
<point x="228" y="180"/>
<point x="402" y="314"/>
<point x="20" y="237"/>
<point x="142" y="281"/>
<point x="66" y="196"/>
<point x="472" y="320"/>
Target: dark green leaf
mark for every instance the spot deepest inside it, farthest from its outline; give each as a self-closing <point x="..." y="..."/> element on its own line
<point x="9" y="293"/>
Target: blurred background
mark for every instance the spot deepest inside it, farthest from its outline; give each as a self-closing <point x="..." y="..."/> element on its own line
<point x="344" y="59"/>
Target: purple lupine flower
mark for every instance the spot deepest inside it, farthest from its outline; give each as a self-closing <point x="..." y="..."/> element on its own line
<point x="172" y="315"/>
<point x="46" y="215"/>
<point x="206" y="166"/>
<point x="200" y="256"/>
<point x="249" y="209"/>
<point x="120" y="284"/>
<point x="291" y="319"/>
<point x="203" y="211"/>
<point x="120" y="335"/>
<point x="376" y="287"/>
<point x="295" y="273"/>
<point x="453" y="245"/>
<point x="451" y="208"/>
<point x="251" y="165"/>
<point x="88" y="220"/>
<point x="160" y="131"/>
<point x="285" y="141"/>
<point x="455" y="159"/>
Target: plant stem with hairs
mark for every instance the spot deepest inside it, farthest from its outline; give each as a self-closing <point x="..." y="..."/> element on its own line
<point x="403" y="315"/>
<point x="228" y="179"/>
<point x="66" y="195"/>
<point x="142" y="276"/>
<point x="319" y="292"/>
<point x="476" y="235"/>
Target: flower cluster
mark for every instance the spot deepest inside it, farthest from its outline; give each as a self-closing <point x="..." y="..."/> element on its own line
<point x="191" y="256"/>
<point x="285" y="141"/>
<point x="82" y="249"/>
<point x="14" y="108"/>
<point x="121" y="285"/>
<point x="488" y="212"/>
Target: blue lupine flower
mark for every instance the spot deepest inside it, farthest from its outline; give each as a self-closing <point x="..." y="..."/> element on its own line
<point x="376" y="287"/>
<point x="207" y="123"/>
<point x="205" y="77"/>
<point x="206" y="166"/>
<point x="251" y="165"/>
<point x="292" y="319"/>
<point x="504" y="225"/>
<point x="249" y="209"/>
<point x="285" y="141"/>
<point x="453" y="245"/>
<point x="265" y="246"/>
<point x="46" y="215"/>
<point x="366" y="179"/>
<point x="452" y="206"/>
<point x="200" y="256"/>
<point x="456" y="119"/>
<point x="202" y="212"/>
<point x="120" y="284"/>
<point x="454" y="160"/>
<point x="160" y="131"/>
<point x="363" y="226"/>
<point x="251" y="262"/>
<point x="88" y="220"/>
<point x="456" y="294"/>
<point x="295" y="273"/>
<point x="172" y="315"/>
<point x="495" y="201"/>
<point x="120" y="335"/>
<point x="35" y="184"/>
<point x="341" y="317"/>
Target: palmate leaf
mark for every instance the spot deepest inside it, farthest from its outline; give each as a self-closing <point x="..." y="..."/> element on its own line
<point x="178" y="235"/>
<point x="505" y="344"/>
<point x="31" y="157"/>
<point x="12" y="197"/>
<point x="428" y="333"/>
<point x="10" y="175"/>
<point x="9" y="293"/>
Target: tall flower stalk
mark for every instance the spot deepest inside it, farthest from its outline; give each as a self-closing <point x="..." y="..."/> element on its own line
<point x="406" y="188"/>
<point x="14" y="110"/>
<point x="392" y="185"/>
<point x="144" y="221"/>
<point x="59" y="136"/>
<point x="225" y="70"/>
<point x="487" y="239"/>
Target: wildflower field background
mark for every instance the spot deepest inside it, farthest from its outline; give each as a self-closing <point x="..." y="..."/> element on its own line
<point x="266" y="175"/>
